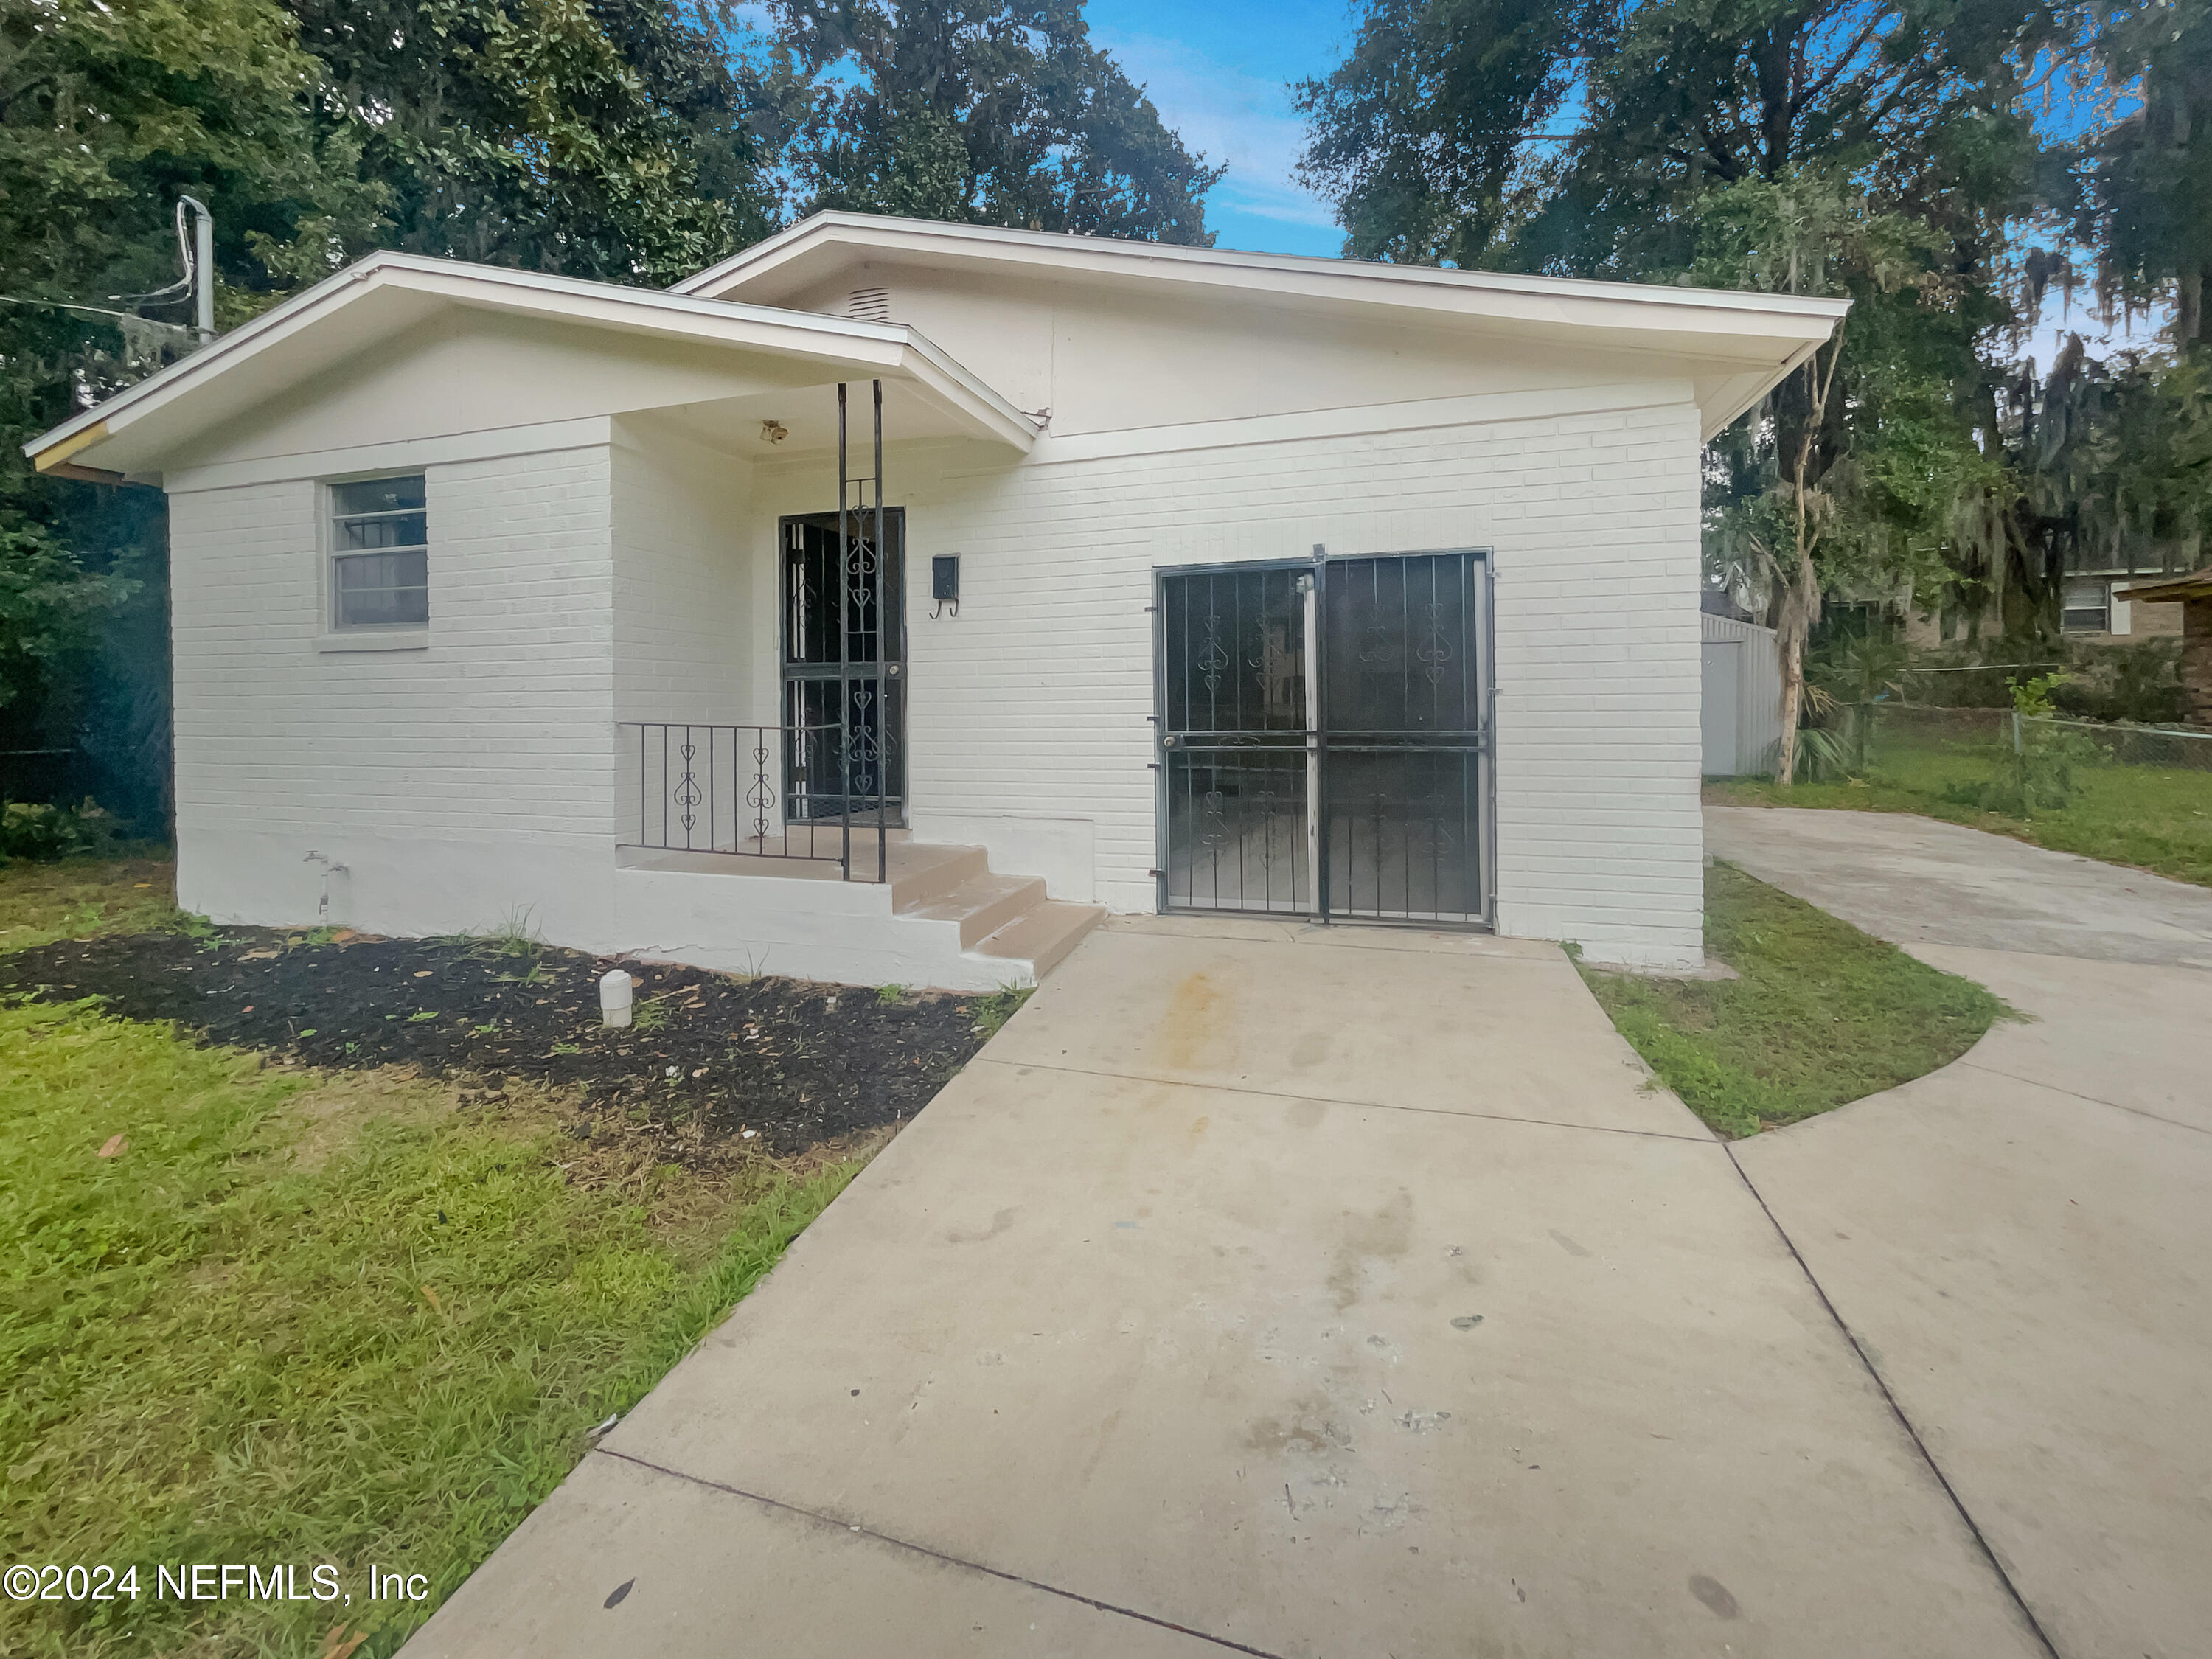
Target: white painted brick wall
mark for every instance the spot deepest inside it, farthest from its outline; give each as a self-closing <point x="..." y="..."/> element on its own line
<point x="683" y="583"/>
<point x="1034" y="700"/>
<point x="576" y="587"/>
<point x="495" y="735"/>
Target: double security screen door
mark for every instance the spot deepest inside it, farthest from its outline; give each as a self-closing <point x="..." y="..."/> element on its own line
<point x="1325" y="739"/>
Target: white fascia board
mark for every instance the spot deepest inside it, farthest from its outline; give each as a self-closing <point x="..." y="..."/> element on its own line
<point x="889" y="350"/>
<point x="1743" y="391"/>
<point x="1495" y="294"/>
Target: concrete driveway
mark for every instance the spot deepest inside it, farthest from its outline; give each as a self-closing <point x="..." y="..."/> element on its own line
<point x="1277" y="1292"/>
<point x="2022" y="1241"/>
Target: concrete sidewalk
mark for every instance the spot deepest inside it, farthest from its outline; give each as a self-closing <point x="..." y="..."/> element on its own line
<point x="1280" y="1291"/>
<point x="2022" y="1241"/>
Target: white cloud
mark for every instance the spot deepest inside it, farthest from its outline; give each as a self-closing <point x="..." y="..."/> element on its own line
<point x="1229" y="116"/>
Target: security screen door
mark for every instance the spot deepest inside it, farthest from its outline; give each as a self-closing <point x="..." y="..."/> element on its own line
<point x="868" y="671"/>
<point x="1325" y="742"/>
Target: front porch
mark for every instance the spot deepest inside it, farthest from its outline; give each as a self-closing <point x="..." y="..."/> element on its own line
<point x="762" y="761"/>
<point x="939" y="916"/>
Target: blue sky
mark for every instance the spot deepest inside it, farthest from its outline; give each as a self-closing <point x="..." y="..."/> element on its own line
<point x="1217" y="72"/>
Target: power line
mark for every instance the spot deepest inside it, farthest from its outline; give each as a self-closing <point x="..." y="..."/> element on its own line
<point x="97" y="310"/>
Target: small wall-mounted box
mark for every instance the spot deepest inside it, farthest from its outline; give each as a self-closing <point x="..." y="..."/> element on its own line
<point x="944" y="582"/>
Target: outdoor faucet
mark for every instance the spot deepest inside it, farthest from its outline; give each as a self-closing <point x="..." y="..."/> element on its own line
<point x="323" y="906"/>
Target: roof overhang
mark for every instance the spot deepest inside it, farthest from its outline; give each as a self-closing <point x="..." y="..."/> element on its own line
<point x="2167" y="590"/>
<point x="137" y="432"/>
<point x="1741" y="344"/>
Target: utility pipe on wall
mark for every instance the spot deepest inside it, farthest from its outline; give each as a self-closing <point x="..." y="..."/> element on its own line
<point x="203" y="270"/>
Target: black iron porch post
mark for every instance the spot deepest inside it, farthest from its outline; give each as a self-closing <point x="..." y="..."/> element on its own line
<point x="844" y="661"/>
<point x="885" y="669"/>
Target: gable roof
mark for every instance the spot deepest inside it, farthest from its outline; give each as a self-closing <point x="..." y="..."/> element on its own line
<point x="386" y="293"/>
<point x="1749" y="341"/>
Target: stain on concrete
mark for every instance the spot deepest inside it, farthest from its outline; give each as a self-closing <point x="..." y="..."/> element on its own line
<point x="1306" y="1433"/>
<point x="1306" y="1114"/>
<point x="999" y="1223"/>
<point x="1310" y="1049"/>
<point x="1383" y="1236"/>
<point x="1193" y="1023"/>
<point x="1568" y="1244"/>
<point x="1714" y="1594"/>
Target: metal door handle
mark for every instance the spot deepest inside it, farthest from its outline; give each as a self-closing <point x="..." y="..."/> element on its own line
<point x="891" y="670"/>
<point x="1170" y="741"/>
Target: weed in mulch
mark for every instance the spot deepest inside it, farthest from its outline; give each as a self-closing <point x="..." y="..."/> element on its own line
<point x="781" y="1065"/>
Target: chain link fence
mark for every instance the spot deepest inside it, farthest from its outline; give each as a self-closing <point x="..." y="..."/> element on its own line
<point x="2133" y="745"/>
<point x="1902" y="729"/>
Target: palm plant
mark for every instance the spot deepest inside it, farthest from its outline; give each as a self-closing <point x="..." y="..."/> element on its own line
<point x="1845" y="681"/>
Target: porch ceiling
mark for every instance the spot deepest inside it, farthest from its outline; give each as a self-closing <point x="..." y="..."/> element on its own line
<point x="808" y="416"/>
<point x="141" y="431"/>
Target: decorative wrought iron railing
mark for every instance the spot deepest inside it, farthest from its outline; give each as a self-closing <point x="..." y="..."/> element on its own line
<point x="762" y="791"/>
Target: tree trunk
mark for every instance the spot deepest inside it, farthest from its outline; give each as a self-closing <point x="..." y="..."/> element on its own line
<point x="1800" y="599"/>
<point x="1792" y="694"/>
<point x="1799" y="609"/>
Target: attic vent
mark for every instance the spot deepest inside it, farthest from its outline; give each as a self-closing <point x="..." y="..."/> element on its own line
<point x="870" y="305"/>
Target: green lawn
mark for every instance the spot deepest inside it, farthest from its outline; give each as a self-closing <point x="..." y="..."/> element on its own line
<point x="1821" y="1015"/>
<point x="2155" y="819"/>
<point x="42" y="903"/>
<point x="303" y="1319"/>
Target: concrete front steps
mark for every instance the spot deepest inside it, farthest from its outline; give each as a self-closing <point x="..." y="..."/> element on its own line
<point x="942" y="918"/>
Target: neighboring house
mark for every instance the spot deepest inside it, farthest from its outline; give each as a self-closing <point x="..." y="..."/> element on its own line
<point x="1197" y="580"/>
<point x="2190" y="598"/>
<point x="2094" y="608"/>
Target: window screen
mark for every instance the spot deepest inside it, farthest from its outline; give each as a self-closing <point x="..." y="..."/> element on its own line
<point x="379" y="554"/>
<point x="2086" y="608"/>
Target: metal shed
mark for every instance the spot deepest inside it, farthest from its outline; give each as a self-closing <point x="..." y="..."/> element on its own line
<point x="1740" y="715"/>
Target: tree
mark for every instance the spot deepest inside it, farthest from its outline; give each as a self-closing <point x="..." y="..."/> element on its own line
<point x="2146" y="207"/>
<point x="1877" y="148"/>
<point x="987" y="111"/>
<point x="1421" y="136"/>
<point x="607" y="138"/>
<point x="600" y="138"/>
<point x="108" y="113"/>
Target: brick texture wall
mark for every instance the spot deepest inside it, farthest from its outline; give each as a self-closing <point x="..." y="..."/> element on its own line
<point x="1034" y="701"/>
<point x="492" y="737"/>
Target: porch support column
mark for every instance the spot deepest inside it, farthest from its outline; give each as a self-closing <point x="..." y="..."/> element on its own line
<point x="886" y="668"/>
<point x="844" y="660"/>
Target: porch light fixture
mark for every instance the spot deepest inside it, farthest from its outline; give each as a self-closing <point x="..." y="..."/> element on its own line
<point x="774" y="432"/>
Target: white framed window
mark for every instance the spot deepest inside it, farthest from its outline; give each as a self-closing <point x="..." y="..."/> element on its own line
<point x="2086" y="607"/>
<point x="380" y="555"/>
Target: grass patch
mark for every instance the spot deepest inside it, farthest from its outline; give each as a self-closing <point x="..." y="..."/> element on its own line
<point x="993" y="1012"/>
<point x="1822" y="1014"/>
<point x="2154" y="819"/>
<point x="298" y="1318"/>
<point x="78" y="898"/>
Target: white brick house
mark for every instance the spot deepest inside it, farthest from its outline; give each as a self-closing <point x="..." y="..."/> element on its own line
<point x="1286" y="585"/>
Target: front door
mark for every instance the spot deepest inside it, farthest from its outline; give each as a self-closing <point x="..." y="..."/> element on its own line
<point x="844" y="712"/>
<point x="1325" y="739"/>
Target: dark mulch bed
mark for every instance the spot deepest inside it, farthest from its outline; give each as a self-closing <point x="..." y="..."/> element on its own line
<point x="799" y="1062"/>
